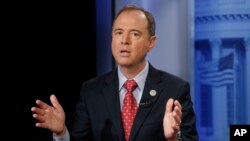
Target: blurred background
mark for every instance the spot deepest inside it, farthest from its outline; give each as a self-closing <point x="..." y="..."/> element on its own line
<point x="206" y="42"/>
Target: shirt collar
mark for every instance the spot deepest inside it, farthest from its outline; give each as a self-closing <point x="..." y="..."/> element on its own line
<point x="140" y="78"/>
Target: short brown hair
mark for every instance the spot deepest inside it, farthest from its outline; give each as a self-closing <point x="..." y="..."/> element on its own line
<point x="149" y="16"/>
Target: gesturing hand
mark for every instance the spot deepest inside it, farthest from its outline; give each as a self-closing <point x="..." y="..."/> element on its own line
<point x="50" y="117"/>
<point x="172" y="119"/>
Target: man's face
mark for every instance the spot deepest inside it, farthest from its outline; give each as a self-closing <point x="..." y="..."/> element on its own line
<point x="130" y="38"/>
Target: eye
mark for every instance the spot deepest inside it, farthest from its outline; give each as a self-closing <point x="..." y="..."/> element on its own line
<point x="135" y="35"/>
<point x="118" y="34"/>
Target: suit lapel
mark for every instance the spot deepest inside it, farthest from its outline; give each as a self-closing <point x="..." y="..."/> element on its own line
<point x="147" y="101"/>
<point x="111" y="96"/>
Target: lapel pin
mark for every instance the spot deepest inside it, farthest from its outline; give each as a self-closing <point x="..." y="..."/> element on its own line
<point x="152" y="92"/>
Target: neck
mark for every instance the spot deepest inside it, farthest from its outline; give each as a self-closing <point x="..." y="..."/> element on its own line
<point x="131" y="71"/>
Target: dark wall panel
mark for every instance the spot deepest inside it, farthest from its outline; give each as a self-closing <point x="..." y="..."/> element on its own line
<point x="55" y="54"/>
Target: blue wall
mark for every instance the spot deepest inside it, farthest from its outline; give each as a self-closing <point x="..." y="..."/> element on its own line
<point x="222" y="61"/>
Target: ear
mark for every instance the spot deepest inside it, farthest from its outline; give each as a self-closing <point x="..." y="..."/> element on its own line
<point x="152" y="42"/>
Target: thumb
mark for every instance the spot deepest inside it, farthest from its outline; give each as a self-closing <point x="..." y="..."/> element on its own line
<point x="169" y="105"/>
<point x="55" y="102"/>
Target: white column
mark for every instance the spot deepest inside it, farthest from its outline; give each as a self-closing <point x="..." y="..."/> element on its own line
<point x="218" y="95"/>
<point x="215" y="45"/>
<point x="247" y="74"/>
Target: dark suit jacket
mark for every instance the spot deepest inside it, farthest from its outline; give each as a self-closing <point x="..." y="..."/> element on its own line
<point x="98" y="113"/>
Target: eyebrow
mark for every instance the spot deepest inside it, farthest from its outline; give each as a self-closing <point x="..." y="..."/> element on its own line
<point x="136" y="30"/>
<point x="116" y="29"/>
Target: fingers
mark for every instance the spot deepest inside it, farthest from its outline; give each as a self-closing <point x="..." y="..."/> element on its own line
<point x="55" y="102"/>
<point x="40" y="110"/>
<point x="42" y="104"/>
<point x="40" y="118"/>
<point x="42" y="125"/>
<point x="177" y="114"/>
<point x="169" y="105"/>
<point x="39" y="114"/>
<point x="178" y="105"/>
<point x="172" y="118"/>
<point x="37" y="110"/>
<point x="174" y="107"/>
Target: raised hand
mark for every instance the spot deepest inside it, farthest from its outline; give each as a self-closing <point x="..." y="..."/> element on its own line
<point x="50" y="117"/>
<point x="172" y="119"/>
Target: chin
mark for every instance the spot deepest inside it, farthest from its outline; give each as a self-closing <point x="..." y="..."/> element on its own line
<point x="124" y="64"/>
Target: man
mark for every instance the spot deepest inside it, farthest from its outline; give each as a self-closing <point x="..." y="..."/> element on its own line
<point x="160" y="109"/>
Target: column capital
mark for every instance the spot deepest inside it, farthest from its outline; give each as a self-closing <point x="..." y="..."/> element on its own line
<point x="215" y="42"/>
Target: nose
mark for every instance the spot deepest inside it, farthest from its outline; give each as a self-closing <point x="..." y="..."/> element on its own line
<point x="126" y="38"/>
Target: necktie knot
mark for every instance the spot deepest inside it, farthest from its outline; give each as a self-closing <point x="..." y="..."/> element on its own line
<point x="130" y="85"/>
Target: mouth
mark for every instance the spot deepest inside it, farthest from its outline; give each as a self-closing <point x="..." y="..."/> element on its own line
<point x="124" y="53"/>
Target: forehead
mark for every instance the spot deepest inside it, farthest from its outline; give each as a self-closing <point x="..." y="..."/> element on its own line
<point x="131" y="17"/>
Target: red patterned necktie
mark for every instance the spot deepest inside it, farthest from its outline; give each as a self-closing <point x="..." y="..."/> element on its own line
<point x="129" y="108"/>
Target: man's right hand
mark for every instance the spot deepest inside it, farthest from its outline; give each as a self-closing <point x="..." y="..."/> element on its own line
<point x="50" y="117"/>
